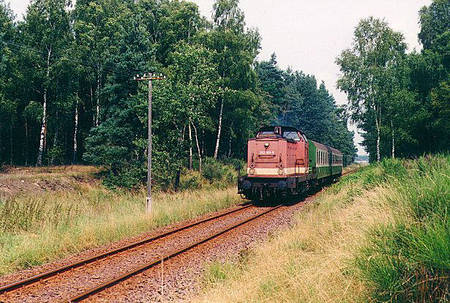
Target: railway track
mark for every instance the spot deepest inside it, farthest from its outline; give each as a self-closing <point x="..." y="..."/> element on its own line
<point x="99" y="288"/>
<point x="350" y="172"/>
<point x="48" y="277"/>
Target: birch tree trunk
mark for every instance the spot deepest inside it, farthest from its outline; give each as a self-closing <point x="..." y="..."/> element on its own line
<point x="198" y="149"/>
<point x="43" y="130"/>
<point x="393" y="140"/>
<point x="378" y="125"/>
<point x="190" y="144"/>
<point x="378" y="143"/>
<point x="75" y="132"/>
<point x="219" y="130"/>
<point x="203" y="142"/>
<point x="92" y="103"/>
<point x="230" y="140"/>
<point x="44" y="115"/>
<point x="97" y="107"/>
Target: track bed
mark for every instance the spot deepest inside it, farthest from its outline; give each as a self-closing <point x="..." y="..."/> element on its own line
<point x="157" y="281"/>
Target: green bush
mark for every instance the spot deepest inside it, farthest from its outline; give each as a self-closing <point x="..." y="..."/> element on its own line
<point x="165" y="167"/>
<point x="212" y="170"/>
<point x="388" y="169"/>
<point x="219" y="173"/>
<point x="373" y="175"/>
<point x="237" y="164"/>
<point x="191" y="180"/>
<point x="55" y="155"/>
<point x="126" y="175"/>
<point x="393" y="168"/>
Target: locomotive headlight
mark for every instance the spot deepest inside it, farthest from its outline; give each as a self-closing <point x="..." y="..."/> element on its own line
<point x="266" y="145"/>
<point x="281" y="171"/>
<point x="251" y="171"/>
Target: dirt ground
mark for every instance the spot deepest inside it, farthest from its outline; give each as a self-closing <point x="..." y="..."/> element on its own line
<point x="22" y="180"/>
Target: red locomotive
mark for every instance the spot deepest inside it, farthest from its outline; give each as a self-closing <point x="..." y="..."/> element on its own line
<point x="282" y="161"/>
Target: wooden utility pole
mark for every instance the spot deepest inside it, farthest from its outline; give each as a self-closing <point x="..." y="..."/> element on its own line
<point x="149" y="77"/>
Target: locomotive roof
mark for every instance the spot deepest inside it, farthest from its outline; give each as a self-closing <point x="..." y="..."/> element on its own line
<point x="290" y="128"/>
<point x="284" y="128"/>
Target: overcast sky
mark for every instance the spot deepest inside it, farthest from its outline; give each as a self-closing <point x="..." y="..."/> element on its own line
<point x="309" y="35"/>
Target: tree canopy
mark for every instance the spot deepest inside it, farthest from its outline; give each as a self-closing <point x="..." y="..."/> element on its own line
<point x="399" y="100"/>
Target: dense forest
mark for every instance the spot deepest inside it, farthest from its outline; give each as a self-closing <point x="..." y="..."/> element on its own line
<point x="67" y="93"/>
<point x="401" y="101"/>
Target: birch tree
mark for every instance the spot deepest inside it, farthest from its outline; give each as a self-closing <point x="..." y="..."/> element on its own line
<point x="95" y="27"/>
<point x="236" y="49"/>
<point x="194" y="81"/>
<point x="46" y="34"/>
<point x="366" y="73"/>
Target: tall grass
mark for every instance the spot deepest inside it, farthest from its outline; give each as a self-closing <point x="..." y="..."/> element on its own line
<point x="35" y="229"/>
<point x="378" y="235"/>
<point x="409" y="259"/>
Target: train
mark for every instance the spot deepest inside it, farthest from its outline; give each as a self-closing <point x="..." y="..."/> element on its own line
<point x="282" y="162"/>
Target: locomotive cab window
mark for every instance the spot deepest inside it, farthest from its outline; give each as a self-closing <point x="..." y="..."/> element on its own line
<point x="269" y="132"/>
<point x="266" y="134"/>
<point x="291" y="135"/>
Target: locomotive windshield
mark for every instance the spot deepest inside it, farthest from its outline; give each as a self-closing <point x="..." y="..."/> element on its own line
<point x="291" y="135"/>
<point x="279" y="132"/>
<point x="267" y="134"/>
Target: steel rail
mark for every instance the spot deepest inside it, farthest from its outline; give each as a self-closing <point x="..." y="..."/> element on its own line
<point x="54" y="272"/>
<point x="125" y="276"/>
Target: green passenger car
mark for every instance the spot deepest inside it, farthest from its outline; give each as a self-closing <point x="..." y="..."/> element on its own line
<point x="324" y="161"/>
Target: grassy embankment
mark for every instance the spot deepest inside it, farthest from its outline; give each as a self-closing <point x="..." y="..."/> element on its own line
<point x="71" y="216"/>
<point x="379" y="235"/>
